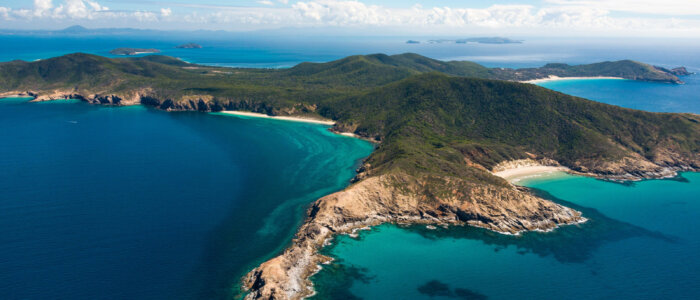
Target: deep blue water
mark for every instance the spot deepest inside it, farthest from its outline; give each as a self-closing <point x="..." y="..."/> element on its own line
<point x="251" y="50"/>
<point x="657" y="97"/>
<point x="115" y="203"/>
<point x="133" y="203"/>
<point x="273" y="51"/>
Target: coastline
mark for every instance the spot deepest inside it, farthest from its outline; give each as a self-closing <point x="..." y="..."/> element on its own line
<point x="557" y="78"/>
<point x="284" y="118"/>
<point x="301" y="260"/>
<point x="378" y="199"/>
<point x="515" y="175"/>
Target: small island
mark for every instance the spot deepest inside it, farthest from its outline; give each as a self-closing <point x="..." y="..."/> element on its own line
<point x="133" y="51"/>
<point x="478" y="40"/>
<point x="189" y="46"/>
<point x="412" y="42"/>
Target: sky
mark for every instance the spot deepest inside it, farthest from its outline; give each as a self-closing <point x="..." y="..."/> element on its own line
<point x="656" y="18"/>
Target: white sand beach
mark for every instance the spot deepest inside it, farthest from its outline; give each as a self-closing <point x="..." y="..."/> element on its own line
<point x="516" y="174"/>
<point x="557" y="78"/>
<point x="293" y="119"/>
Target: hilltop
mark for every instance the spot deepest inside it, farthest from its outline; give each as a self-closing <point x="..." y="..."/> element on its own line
<point x="132" y="51"/>
<point x="441" y="128"/>
<point x="364" y="94"/>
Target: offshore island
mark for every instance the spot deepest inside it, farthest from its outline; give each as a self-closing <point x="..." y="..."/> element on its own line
<point x="444" y="131"/>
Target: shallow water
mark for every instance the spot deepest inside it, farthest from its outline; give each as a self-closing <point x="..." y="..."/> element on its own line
<point x="133" y="203"/>
<point x="641" y="242"/>
<point x="103" y="202"/>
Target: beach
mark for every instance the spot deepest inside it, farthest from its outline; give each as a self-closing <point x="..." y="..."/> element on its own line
<point x="516" y="174"/>
<point x="285" y="118"/>
<point x="557" y="78"/>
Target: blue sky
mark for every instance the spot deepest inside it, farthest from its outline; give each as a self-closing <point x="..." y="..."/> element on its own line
<point x="679" y="18"/>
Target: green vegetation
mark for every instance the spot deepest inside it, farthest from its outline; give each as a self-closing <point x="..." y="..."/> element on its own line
<point x="627" y="69"/>
<point x="132" y="51"/>
<point x="433" y="118"/>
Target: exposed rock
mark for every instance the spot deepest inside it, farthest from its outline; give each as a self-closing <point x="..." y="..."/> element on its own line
<point x="679" y="71"/>
<point x="528" y="162"/>
<point x="664" y="164"/>
<point x="398" y="198"/>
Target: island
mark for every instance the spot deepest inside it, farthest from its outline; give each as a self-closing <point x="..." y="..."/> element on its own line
<point x="478" y="40"/>
<point x="625" y="69"/>
<point x="133" y="51"/>
<point x="189" y="46"/>
<point x="444" y="132"/>
<point x="412" y="42"/>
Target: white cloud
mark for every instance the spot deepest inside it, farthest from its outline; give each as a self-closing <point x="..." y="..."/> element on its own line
<point x="654" y="7"/>
<point x="5" y="12"/>
<point x="554" y="16"/>
<point x="42" y="7"/>
<point x="145" y="16"/>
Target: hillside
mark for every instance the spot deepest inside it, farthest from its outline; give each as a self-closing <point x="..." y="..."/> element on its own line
<point x="380" y="96"/>
<point x="441" y="127"/>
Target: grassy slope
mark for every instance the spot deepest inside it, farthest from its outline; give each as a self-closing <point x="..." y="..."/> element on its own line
<point x="430" y="123"/>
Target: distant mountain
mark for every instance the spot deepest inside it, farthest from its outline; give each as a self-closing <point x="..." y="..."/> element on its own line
<point x="76" y="29"/>
<point x="379" y="68"/>
<point x="189" y="46"/>
<point x="81" y="30"/>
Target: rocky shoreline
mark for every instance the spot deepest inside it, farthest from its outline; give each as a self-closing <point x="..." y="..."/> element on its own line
<point x="395" y="197"/>
<point x="374" y="200"/>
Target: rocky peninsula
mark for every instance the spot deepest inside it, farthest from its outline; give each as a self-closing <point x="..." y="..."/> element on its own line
<point x="442" y="130"/>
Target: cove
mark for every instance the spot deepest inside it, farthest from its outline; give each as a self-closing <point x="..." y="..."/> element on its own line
<point x="135" y="203"/>
<point x="640" y="242"/>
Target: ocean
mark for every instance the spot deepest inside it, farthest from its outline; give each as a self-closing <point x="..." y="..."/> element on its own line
<point x="641" y="242"/>
<point x="131" y="202"/>
<point x="135" y="203"/>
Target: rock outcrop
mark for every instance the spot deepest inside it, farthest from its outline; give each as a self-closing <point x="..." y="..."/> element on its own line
<point x="398" y="198"/>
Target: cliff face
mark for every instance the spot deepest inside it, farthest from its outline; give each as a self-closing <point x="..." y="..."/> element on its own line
<point x="203" y="103"/>
<point x="635" y="167"/>
<point x="439" y="135"/>
<point x="399" y="198"/>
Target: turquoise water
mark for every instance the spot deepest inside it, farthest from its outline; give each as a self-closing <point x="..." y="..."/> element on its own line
<point x="641" y="242"/>
<point x="658" y="97"/>
<point x="134" y="203"/>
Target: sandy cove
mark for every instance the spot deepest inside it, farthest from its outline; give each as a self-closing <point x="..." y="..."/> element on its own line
<point x="398" y="198"/>
<point x="285" y="118"/>
<point x="516" y="174"/>
<point x="557" y="78"/>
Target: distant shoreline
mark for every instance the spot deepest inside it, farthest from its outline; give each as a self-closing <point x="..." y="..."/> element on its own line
<point x="285" y="118"/>
<point x="557" y="78"/>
